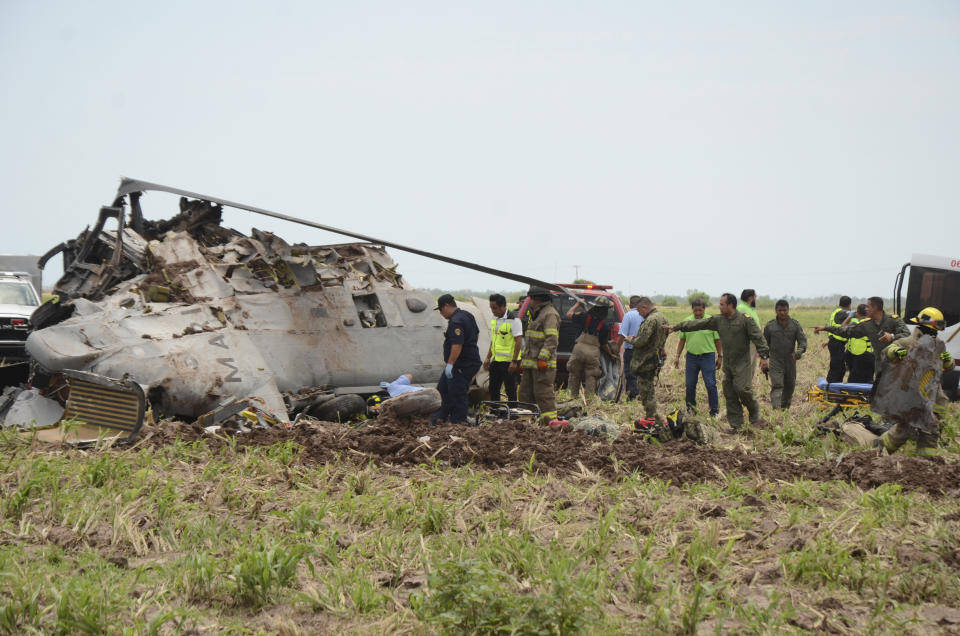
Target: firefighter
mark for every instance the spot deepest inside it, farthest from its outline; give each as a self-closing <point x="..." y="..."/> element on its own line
<point x="911" y="395"/>
<point x="592" y="342"/>
<point x="539" y="357"/>
<point x="836" y="344"/>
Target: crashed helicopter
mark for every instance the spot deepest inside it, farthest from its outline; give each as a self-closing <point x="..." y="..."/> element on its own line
<point x="199" y="316"/>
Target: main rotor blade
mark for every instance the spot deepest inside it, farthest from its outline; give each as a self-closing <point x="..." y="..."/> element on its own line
<point x="128" y="186"/>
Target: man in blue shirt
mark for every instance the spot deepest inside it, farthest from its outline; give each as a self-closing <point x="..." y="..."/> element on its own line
<point x="462" y="358"/>
<point x="628" y="329"/>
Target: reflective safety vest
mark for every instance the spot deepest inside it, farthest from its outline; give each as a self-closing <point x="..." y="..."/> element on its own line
<point x="836" y="323"/>
<point x="501" y="339"/>
<point x="859" y="346"/>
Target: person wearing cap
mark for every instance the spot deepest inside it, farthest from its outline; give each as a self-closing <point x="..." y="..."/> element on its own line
<point x="647" y="352"/>
<point x="539" y="357"/>
<point x="737" y="332"/>
<point x="880" y="328"/>
<point x="911" y="395"/>
<point x="503" y="357"/>
<point x="593" y="340"/>
<point x="461" y="361"/>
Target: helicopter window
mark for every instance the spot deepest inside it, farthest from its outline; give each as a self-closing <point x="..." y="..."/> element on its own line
<point x="930" y="287"/>
<point x="370" y="311"/>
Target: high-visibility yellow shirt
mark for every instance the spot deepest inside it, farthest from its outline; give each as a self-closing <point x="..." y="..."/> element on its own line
<point x="502" y="334"/>
<point x="859" y="346"/>
<point x="836" y="323"/>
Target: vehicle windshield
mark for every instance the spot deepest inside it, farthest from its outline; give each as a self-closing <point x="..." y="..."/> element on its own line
<point x="938" y="288"/>
<point x="17" y="293"/>
<point x="564" y="303"/>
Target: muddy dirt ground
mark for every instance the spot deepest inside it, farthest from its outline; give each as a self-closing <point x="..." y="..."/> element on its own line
<point x="516" y="447"/>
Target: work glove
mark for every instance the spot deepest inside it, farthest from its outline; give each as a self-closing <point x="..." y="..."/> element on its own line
<point x="542" y="365"/>
<point x="448" y="371"/>
<point x="947" y="357"/>
<point x="900" y="353"/>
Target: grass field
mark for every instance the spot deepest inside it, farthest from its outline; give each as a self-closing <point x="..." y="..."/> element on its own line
<point x="770" y="532"/>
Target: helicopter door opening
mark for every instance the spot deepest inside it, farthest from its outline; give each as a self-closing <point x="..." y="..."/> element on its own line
<point x="930" y="287"/>
<point x="370" y="311"/>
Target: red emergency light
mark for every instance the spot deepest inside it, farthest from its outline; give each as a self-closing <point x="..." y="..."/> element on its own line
<point x="587" y="286"/>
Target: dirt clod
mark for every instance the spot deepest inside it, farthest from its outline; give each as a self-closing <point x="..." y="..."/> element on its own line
<point x="517" y="447"/>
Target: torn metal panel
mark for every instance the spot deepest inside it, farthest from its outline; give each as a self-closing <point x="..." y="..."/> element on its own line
<point x="98" y="408"/>
<point x="128" y="186"/>
<point x="29" y="409"/>
<point x="906" y="391"/>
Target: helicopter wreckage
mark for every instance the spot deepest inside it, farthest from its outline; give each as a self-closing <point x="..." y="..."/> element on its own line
<point x="200" y="321"/>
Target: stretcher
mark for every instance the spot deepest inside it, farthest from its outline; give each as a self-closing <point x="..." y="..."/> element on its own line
<point x="840" y="395"/>
<point x="492" y="411"/>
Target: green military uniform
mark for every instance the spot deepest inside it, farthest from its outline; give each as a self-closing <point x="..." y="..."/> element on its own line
<point x="647" y="345"/>
<point x="736" y="334"/>
<point x="872" y="329"/>
<point x="540" y="343"/>
<point x="746" y="309"/>
<point x="925" y="363"/>
<point x="784" y="341"/>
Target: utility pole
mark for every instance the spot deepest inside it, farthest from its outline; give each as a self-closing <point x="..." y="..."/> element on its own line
<point x="576" y="270"/>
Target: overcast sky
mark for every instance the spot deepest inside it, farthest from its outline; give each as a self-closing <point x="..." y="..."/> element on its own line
<point x="799" y="148"/>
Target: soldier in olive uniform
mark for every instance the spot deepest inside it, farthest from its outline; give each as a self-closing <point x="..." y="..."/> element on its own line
<point x="881" y="329"/>
<point x="787" y="343"/>
<point x="737" y="331"/>
<point x="647" y="349"/>
<point x="539" y="357"/>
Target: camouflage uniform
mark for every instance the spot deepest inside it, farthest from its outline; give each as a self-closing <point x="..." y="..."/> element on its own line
<point x="784" y="341"/>
<point x="870" y="329"/>
<point x="910" y="393"/>
<point x="645" y="362"/>
<point x="736" y="335"/>
<point x="540" y="343"/>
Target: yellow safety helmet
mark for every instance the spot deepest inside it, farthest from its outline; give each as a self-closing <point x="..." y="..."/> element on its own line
<point x="931" y="317"/>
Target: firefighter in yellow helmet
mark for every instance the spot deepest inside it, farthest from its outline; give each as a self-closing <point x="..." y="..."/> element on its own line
<point x="539" y="355"/>
<point x="909" y="394"/>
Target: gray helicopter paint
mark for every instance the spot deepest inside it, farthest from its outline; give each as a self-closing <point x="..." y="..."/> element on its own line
<point x="242" y="336"/>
